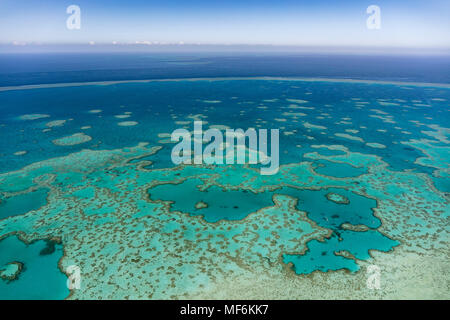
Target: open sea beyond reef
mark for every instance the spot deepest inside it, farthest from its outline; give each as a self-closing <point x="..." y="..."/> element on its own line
<point x="87" y="180"/>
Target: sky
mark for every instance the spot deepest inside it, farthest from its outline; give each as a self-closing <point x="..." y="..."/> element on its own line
<point x="340" y="23"/>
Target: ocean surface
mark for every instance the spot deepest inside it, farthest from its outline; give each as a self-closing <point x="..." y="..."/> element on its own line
<point x="364" y="167"/>
<point x="39" y="68"/>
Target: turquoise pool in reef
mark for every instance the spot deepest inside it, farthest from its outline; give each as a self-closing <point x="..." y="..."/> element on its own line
<point x="23" y="203"/>
<point x="38" y="276"/>
<point x="364" y="168"/>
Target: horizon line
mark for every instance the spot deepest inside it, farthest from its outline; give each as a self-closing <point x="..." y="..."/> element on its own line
<point x="23" y="47"/>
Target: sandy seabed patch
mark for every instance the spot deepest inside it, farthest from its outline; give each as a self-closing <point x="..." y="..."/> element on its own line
<point x="55" y="123"/>
<point x="297" y="100"/>
<point x="349" y="137"/>
<point x="219" y="127"/>
<point x="182" y="122"/>
<point x="313" y="126"/>
<point x="127" y="123"/>
<point x="33" y="116"/>
<point x="375" y="145"/>
<point x="400" y="272"/>
<point x="294" y="114"/>
<point x="76" y="138"/>
<point x="164" y="135"/>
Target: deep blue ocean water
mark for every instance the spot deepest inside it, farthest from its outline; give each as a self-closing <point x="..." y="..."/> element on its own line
<point x="38" y="68"/>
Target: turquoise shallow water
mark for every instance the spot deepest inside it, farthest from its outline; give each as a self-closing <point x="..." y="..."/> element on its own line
<point x="236" y="205"/>
<point x="338" y="170"/>
<point x="330" y="214"/>
<point x="22" y="203"/>
<point x="40" y="277"/>
<point x="346" y="148"/>
<point x="321" y="256"/>
<point x="220" y="204"/>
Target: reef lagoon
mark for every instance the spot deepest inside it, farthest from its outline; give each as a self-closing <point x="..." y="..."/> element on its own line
<point x="86" y="180"/>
